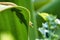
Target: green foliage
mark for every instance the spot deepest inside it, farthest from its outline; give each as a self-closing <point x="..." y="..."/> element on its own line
<point x="34" y="11"/>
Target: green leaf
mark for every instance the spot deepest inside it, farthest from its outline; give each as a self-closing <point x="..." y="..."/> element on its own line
<point x="44" y="15"/>
<point x="40" y="3"/>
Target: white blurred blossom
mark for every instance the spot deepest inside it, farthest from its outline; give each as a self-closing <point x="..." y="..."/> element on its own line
<point x="45" y="25"/>
<point x="43" y="31"/>
<point x="57" y="21"/>
<point x="37" y="39"/>
<point x="42" y="39"/>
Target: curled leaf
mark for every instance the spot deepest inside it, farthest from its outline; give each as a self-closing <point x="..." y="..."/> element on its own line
<point x="43" y="15"/>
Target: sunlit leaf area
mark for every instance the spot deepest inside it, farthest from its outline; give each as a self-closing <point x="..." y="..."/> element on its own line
<point x="29" y="19"/>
